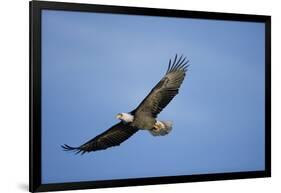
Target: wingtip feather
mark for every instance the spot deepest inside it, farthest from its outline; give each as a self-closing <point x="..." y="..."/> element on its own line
<point x="178" y="65"/>
<point x="77" y="150"/>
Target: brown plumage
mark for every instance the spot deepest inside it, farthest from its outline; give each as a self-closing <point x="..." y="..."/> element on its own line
<point x="161" y="95"/>
<point x="111" y="137"/>
<point x="144" y="115"/>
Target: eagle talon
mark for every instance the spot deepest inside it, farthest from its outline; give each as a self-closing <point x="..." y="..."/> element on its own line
<point x="157" y="126"/>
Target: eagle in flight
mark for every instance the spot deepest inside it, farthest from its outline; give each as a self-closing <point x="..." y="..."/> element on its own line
<point x="144" y="117"/>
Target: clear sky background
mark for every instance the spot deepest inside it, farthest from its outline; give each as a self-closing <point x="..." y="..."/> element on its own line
<point x="97" y="65"/>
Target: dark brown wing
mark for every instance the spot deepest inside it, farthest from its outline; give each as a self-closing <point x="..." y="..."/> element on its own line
<point x="168" y="87"/>
<point x="112" y="137"/>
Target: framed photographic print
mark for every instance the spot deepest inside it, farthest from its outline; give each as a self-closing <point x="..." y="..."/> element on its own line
<point x="126" y="96"/>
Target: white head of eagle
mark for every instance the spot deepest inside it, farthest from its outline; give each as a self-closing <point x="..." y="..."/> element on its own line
<point x="126" y="117"/>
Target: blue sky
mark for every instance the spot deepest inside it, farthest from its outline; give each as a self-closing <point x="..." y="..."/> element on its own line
<point x="97" y="65"/>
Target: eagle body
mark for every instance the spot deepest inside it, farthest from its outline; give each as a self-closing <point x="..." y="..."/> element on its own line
<point x="158" y="128"/>
<point x="143" y="121"/>
<point x="157" y="125"/>
<point x="144" y="117"/>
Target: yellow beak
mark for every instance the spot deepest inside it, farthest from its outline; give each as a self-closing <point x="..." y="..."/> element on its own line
<point x="118" y="116"/>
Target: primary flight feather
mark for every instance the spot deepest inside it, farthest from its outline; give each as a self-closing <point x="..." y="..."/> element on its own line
<point x="144" y="116"/>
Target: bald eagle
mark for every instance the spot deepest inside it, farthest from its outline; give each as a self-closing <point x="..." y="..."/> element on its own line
<point x="144" y="116"/>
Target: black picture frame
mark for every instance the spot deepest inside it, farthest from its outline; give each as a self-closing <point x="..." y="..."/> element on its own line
<point x="35" y="184"/>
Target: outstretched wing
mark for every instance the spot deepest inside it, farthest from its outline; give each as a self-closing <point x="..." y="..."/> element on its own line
<point x="112" y="137"/>
<point x="168" y="87"/>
